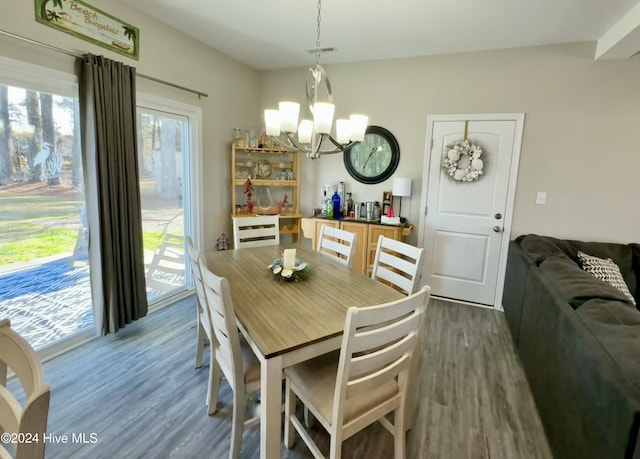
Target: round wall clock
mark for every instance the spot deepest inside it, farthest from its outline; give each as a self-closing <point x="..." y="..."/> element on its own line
<point x="262" y="169"/>
<point x="375" y="159"/>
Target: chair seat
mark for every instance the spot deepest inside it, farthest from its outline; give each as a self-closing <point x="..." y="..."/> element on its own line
<point x="315" y="380"/>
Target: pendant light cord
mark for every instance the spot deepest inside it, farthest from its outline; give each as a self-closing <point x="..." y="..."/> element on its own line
<point x="318" y="35"/>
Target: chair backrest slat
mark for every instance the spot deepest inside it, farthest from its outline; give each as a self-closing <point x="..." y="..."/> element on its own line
<point x="399" y="264"/>
<point x="338" y="244"/>
<point x="358" y="386"/>
<point x="228" y="353"/>
<point x="375" y="337"/>
<point x="367" y="363"/>
<point x="256" y="231"/>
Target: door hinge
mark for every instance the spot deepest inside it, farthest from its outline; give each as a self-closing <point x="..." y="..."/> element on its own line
<point x="431" y="144"/>
<point x="425" y="210"/>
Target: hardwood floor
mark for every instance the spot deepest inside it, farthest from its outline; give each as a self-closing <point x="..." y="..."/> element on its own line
<point x="139" y="393"/>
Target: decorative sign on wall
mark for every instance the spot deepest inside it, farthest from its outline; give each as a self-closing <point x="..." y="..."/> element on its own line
<point x="88" y="23"/>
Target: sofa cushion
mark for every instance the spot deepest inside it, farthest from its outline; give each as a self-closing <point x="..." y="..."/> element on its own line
<point x="606" y="271"/>
<point x="616" y="326"/>
<point x="539" y="248"/>
<point x="575" y="285"/>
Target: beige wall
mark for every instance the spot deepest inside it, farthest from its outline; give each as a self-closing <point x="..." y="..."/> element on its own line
<point x="579" y="141"/>
<point x="578" y="145"/>
<point x="171" y="56"/>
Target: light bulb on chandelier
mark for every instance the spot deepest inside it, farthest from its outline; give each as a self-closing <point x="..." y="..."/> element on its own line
<point x="281" y="125"/>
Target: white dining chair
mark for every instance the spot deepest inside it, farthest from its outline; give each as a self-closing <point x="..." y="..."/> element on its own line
<point x="28" y="418"/>
<point x="237" y="362"/>
<point x="204" y="327"/>
<point x="366" y="382"/>
<point x="338" y="244"/>
<point x="398" y="264"/>
<point x="256" y="231"/>
<point x="168" y="262"/>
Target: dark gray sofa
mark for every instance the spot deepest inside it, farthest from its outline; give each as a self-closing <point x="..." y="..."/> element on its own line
<point x="578" y="339"/>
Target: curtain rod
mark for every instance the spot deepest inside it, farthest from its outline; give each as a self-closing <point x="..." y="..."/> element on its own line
<point x="69" y="53"/>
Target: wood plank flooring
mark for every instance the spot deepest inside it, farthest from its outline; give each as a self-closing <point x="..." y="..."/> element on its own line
<point x="139" y="393"/>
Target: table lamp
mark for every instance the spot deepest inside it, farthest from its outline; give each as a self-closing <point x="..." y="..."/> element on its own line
<point x="401" y="188"/>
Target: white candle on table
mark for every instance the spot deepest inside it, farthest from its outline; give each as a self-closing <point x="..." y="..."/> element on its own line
<point x="289" y="258"/>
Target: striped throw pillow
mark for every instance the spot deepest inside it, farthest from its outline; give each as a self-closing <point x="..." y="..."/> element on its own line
<point x="606" y="270"/>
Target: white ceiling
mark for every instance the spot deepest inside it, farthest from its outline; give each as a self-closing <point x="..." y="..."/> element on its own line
<point x="276" y="34"/>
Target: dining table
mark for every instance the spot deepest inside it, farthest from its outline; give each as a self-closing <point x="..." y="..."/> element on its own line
<point x="288" y="322"/>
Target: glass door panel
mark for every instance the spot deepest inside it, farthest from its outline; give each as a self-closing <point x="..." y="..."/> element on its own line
<point x="44" y="269"/>
<point x="163" y="150"/>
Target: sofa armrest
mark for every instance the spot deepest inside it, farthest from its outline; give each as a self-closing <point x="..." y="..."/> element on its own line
<point x="587" y="406"/>
<point x="518" y="266"/>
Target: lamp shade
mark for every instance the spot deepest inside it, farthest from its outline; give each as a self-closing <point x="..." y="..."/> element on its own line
<point x="358" y="127"/>
<point x="289" y="112"/>
<point x="401" y="187"/>
<point x="322" y="117"/>
<point x="272" y="122"/>
<point x="305" y="130"/>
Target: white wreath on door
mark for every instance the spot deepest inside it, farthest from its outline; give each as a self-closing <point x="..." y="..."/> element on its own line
<point x="463" y="162"/>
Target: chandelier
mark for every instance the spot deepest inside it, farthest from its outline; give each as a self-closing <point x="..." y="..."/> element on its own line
<point x="314" y="135"/>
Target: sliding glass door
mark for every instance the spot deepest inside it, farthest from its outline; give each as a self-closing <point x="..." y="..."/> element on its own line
<point x="44" y="269"/>
<point x="165" y="157"/>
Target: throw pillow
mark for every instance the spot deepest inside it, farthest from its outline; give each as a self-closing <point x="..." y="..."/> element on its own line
<point x="605" y="270"/>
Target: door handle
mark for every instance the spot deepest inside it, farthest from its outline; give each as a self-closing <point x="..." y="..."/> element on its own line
<point x="497" y="229"/>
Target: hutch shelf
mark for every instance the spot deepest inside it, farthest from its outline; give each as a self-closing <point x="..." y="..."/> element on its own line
<point x="275" y="180"/>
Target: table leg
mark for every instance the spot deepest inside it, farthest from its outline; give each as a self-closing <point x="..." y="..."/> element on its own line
<point x="271" y="403"/>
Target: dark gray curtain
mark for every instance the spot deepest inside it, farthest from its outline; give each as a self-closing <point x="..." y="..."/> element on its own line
<point x="108" y="122"/>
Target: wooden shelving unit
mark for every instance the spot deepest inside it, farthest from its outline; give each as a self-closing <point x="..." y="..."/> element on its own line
<point x="263" y="167"/>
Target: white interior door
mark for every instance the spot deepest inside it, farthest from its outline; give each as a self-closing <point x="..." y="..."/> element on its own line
<point x="467" y="224"/>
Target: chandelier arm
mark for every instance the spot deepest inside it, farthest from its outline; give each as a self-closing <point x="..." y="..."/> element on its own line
<point x="296" y="147"/>
<point x="339" y="146"/>
<point x="317" y="152"/>
<point x="315" y="77"/>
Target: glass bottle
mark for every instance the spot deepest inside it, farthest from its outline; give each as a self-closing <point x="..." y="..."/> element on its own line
<point x="350" y="205"/>
<point x="323" y="211"/>
<point x="335" y="201"/>
<point x="386" y="205"/>
<point x="376" y="210"/>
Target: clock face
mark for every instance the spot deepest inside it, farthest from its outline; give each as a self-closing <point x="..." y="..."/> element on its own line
<point x="262" y="169"/>
<point x="374" y="159"/>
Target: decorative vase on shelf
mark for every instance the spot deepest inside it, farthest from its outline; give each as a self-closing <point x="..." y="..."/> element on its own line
<point x="265" y="202"/>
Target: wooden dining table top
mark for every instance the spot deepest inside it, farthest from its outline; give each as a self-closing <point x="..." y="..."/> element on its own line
<point x="284" y="316"/>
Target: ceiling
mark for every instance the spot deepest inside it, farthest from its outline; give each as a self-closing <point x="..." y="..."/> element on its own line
<point x="277" y="34"/>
